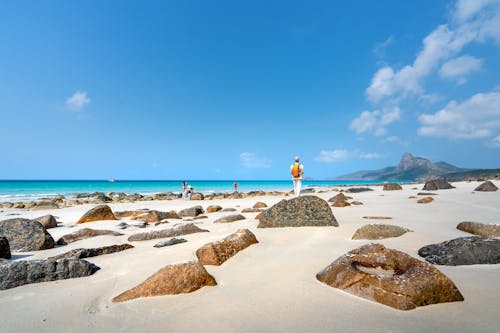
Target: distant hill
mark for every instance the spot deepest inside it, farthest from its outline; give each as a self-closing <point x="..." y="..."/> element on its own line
<point x="409" y="168"/>
<point x="472" y="174"/>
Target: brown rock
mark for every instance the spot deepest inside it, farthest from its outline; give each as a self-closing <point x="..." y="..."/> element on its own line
<point x="200" y="217"/>
<point x="260" y="205"/>
<point x="197" y="196"/>
<point x="377" y="217"/>
<point x="229" y="210"/>
<point x="192" y="211"/>
<point x="152" y="216"/>
<point x="48" y="221"/>
<point x="426" y="193"/>
<point x="251" y="210"/>
<point x="259" y="216"/>
<point x="94" y="252"/>
<point x="340" y="204"/>
<point x="412" y="197"/>
<point x="425" y="200"/>
<point x="339" y="198"/>
<point x="179" y="230"/>
<point x="213" y="208"/>
<point x="356" y="203"/>
<point x="392" y="187"/>
<point x="230" y="218"/>
<point x="379" y="231"/>
<point x="438" y="184"/>
<point x="171" y="280"/>
<point x="218" y="252"/>
<point x="480" y="229"/>
<point x="98" y="213"/>
<point x="389" y="277"/>
<point x="85" y="233"/>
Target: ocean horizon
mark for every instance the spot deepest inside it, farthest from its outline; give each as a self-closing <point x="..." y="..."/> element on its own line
<point x="25" y="190"/>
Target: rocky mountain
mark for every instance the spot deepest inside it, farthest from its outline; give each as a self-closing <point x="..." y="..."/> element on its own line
<point x="409" y="168"/>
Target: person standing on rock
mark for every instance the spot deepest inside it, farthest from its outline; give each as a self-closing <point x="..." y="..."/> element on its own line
<point x="297" y="170"/>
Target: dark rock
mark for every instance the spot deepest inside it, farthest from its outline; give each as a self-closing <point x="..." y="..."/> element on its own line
<point x="389" y="277"/>
<point x="170" y="242"/>
<point x="213" y="208"/>
<point x="356" y="203"/>
<point x="480" y="229"/>
<point x="230" y="218"/>
<point x="179" y="230"/>
<point x="358" y="189"/>
<point x="392" y="187"/>
<point x="379" y="231"/>
<point x="45" y="204"/>
<point x="191" y="212"/>
<point x="426" y="193"/>
<point x="4" y="248"/>
<point x="171" y="280"/>
<point x="26" y="235"/>
<point x="463" y="251"/>
<point x="98" y="213"/>
<point x="18" y="273"/>
<point x="487" y="186"/>
<point x="85" y="233"/>
<point x="48" y="221"/>
<point x="94" y="252"/>
<point x="298" y="212"/>
<point x="308" y="191"/>
<point x="438" y="184"/>
<point x="218" y="252"/>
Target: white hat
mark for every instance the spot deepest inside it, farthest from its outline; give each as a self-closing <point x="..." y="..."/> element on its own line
<point x="296" y="158"/>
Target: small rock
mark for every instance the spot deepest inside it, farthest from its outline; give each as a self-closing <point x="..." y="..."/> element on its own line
<point x="191" y="212"/>
<point x="425" y="200"/>
<point x="341" y="204"/>
<point x="230" y="218"/>
<point x="229" y="210"/>
<point x="94" y="252"/>
<point x="170" y="242"/>
<point x="358" y="189"/>
<point x="218" y="252"/>
<point x="438" y="184"/>
<point x="356" y="203"/>
<point x="339" y="198"/>
<point x="379" y="231"/>
<point x="213" y="208"/>
<point x="260" y="205"/>
<point x="48" y="221"/>
<point x="377" y="217"/>
<point x="83" y="234"/>
<point x="392" y="187"/>
<point x="98" y="213"/>
<point x="251" y="210"/>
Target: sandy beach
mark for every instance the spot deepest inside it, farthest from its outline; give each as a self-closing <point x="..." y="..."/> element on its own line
<point x="267" y="287"/>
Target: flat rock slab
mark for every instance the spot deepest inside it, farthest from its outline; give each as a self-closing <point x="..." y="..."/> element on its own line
<point x="98" y="213"/>
<point x="93" y="252"/>
<point x="251" y="210"/>
<point x="379" y="231"/>
<point x="389" y="277"/>
<point x="480" y="229"/>
<point x="298" y="212"/>
<point x="392" y="187"/>
<point x="85" y="233"/>
<point x="218" y="252"/>
<point x="487" y="186"/>
<point x="378" y="217"/>
<point x="152" y="216"/>
<point x="230" y="218"/>
<point x="170" y="242"/>
<point x="358" y="189"/>
<point x="4" y="248"/>
<point x="26" y="235"/>
<point x="179" y="230"/>
<point x="340" y="204"/>
<point x="425" y="200"/>
<point x="463" y="251"/>
<point x="213" y="208"/>
<point x="18" y="273"/>
<point x="438" y="184"/>
<point x="171" y="280"/>
<point x="191" y="212"/>
<point x="229" y="210"/>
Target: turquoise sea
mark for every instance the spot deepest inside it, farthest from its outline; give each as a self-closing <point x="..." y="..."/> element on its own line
<point x="22" y="190"/>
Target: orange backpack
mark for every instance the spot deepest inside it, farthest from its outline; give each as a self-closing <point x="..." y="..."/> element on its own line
<point x="296" y="170"/>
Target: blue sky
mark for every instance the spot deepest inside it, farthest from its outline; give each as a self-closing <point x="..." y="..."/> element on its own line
<point x="233" y="89"/>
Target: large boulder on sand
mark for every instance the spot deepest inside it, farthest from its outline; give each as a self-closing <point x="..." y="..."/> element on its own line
<point x="18" y="273"/>
<point x="26" y="235"/>
<point x="298" y="212"/>
<point x="191" y="212"/>
<point x="171" y="280"/>
<point x="94" y="252"/>
<point x="463" y="251"/>
<point x="379" y="231"/>
<point x="48" y="221"/>
<point x="218" y="252"/>
<point x="437" y="184"/>
<point x="179" y="230"/>
<point x="389" y="277"/>
<point x="4" y="248"/>
<point x="487" y="186"/>
<point x="480" y="229"/>
<point x="98" y="213"/>
<point x="392" y="187"/>
<point x="85" y="233"/>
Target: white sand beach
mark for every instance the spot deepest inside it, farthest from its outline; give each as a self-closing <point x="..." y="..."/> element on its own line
<point x="268" y="287"/>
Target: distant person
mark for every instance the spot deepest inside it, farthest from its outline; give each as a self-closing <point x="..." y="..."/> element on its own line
<point x="189" y="192"/>
<point x="184" y="190"/>
<point x="297" y="170"/>
<point x="235" y="185"/>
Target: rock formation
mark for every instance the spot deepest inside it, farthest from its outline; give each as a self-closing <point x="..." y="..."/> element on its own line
<point x="487" y="186"/>
<point x="438" y="184"/>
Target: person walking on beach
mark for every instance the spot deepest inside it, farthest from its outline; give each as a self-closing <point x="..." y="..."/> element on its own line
<point x="297" y="170"/>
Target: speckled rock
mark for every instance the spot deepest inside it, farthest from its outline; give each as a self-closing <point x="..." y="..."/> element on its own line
<point x="463" y="251"/>
<point x="18" y="273"/>
<point x="192" y="211"/>
<point x="98" y="213"/>
<point x="48" y="221"/>
<point x="230" y="218"/>
<point x="218" y="252"/>
<point x="298" y="212"/>
<point x="392" y="187"/>
<point x="213" y="208"/>
<point x="179" y="230"/>
<point x="26" y="235"/>
<point x="438" y="184"/>
<point x="171" y="280"/>
<point x="389" y="277"/>
<point x="480" y="229"/>
<point x="379" y="231"/>
<point x="85" y="233"/>
<point x="94" y="252"/>
<point x="487" y="186"/>
<point x="4" y="248"/>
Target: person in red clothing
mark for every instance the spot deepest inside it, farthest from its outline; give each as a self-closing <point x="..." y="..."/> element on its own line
<point x="235" y="185"/>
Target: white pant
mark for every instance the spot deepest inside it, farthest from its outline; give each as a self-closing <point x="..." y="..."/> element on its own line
<point x="297" y="184"/>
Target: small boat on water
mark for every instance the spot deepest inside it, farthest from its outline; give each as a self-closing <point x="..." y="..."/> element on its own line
<point x="112" y="180"/>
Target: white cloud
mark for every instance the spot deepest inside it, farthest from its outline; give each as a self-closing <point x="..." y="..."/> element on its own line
<point x="375" y="121"/>
<point x="380" y="48"/>
<point x="465" y="9"/>
<point x="458" y="68"/>
<point x="477" y="117"/>
<point x="77" y="101"/>
<point x="252" y="161"/>
<point x="340" y="155"/>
